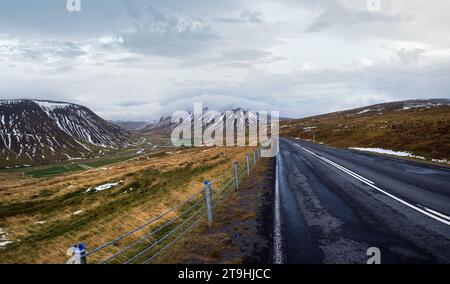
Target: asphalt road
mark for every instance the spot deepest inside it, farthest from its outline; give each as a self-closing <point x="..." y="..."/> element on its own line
<point x="332" y="205"/>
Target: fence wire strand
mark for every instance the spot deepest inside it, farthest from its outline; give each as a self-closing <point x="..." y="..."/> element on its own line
<point x="224" y="192"/>
<point x="165" y="225"/>
<point x="165" y="237"/>
<point x="144" y="225"/>
<point x="221" y="186"/>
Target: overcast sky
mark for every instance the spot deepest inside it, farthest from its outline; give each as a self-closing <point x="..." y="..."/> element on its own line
<point x="139" y="59"/>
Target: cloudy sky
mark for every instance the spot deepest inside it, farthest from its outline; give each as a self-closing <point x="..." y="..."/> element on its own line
<point x="139" y="59"/>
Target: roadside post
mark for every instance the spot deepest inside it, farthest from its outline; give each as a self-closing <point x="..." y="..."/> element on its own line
<point x="248" y="165"/>
<point x="80" y="254"/>
<point x="254" y="158"/>
<point x="209" y="207"/>
<point x="236" y="175"/>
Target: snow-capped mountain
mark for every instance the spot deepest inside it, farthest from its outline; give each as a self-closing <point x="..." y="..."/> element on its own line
<point x="165" y="122"/>
<point x="36" y="132"/>
<point x="409" y="105"/>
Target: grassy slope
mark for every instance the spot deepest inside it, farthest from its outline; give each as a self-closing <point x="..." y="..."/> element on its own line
<point x="40" y="212"/>
<point x="422" y="132"/>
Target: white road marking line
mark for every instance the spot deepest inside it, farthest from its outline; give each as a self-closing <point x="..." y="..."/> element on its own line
<point x="437" y="213"/>
<point x="347" y="170"/>
<point x="277" y="241"/>
<point x="343" y="168"/>
<point x="428" y="212"/>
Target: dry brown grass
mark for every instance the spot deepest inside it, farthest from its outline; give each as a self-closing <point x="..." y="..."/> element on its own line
<point x="61" y="229"/>
<point x="235" y="237"/>
<point x="423" y="132"/>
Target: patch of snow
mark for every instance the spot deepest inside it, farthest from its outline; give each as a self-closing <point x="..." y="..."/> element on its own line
<point x="51" y="105"/>
<point x="365" y="111"/>
<point x="77" y="212"/>
<point x="4" y="241"/>
<point x="104" y="186"/>
<point x="41" y="222"/>
<point x="388" y="152"/>
<point x="409" y="106"/>
<point x="444" y="161"/>
<point x="307" y="129"/>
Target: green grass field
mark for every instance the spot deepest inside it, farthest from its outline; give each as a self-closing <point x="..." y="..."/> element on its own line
<point x="78" y="165"/>
<point x="56" y="170"/>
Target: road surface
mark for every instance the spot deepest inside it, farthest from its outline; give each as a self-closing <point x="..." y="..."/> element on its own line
<point x="332" y="205"/>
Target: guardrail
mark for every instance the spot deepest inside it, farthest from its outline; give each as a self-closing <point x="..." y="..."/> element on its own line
<point x="146" y="242"/>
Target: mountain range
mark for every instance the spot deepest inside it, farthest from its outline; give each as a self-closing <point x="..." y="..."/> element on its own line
<point x="35" y="132"/>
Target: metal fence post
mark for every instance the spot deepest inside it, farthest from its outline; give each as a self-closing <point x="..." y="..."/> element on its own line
<point x="80" y="254"/>
<point x="209" y="207"/>
<point x="236" y="175"/>
<point x="248" y="164"/>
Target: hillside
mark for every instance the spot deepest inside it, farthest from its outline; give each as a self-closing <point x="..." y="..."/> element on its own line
<point x="106" y="202"/>
<point x="129" y="125"/>
<point x="421" y="127"/>
<point x="36" y="132"/>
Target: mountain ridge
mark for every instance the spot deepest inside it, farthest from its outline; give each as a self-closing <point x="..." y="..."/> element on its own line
<point x="420" y="127"/>
<point x="41" y="131"/>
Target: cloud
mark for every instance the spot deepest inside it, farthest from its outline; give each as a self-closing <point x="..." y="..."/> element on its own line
<point x="161" y="34"/>
<point x="246" y="16"/>
<point x="407" y="56"/>
<point x="138" y="59"/>
<point x="334" y="13"/>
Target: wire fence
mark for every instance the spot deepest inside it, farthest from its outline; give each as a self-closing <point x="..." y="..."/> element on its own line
<point x="145" y="243"/>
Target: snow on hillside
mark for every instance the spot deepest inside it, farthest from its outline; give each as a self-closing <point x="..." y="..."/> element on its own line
<point x="51" y="106"/>
<point x="206" y="120"/>
<point x="33" y="131"/>
<point x="388" y="152"/>
<point x="4" y="241"/>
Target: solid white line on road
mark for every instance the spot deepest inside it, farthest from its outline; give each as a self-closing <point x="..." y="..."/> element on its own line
<point x="437" y="213"/>
<point x="342" y="168"/>
<point x="428" y="212"/>
<point x="277" y="240"/>
<point x="347" y="170"/>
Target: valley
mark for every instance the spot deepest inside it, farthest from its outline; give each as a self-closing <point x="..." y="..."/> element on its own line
<point x="68" y="176"/>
